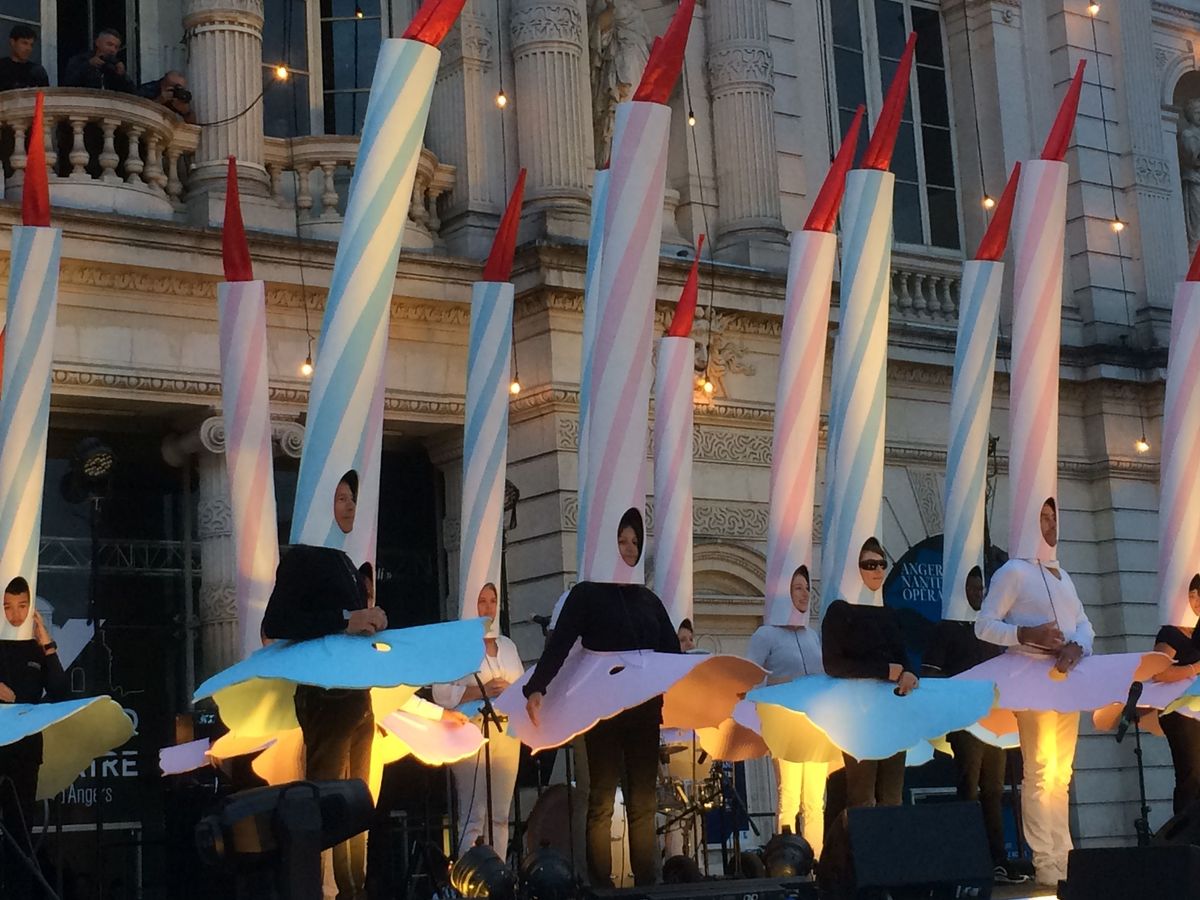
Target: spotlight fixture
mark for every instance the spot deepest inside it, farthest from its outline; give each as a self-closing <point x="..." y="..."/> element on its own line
<point x="1093" y="9"/>
<point x="988" y="202"/>
<point x="1117" y="225"/>
<point x="546" y="875"/>
<point x="515" y="387"/>
<point x="281" y="72"/>
<point x="501" y="99"/>
<point x="787" y="855"/>
<point x="691" y="119"/>
<point x="481" y="873"/>
<point x="1141" y="445"/>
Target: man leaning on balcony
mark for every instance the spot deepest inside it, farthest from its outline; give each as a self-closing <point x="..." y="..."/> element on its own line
<point x="18" y="70"/>
<point x="99" y="67"/>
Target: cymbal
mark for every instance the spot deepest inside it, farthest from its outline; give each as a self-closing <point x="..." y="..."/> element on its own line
<point x="671" y="749"/>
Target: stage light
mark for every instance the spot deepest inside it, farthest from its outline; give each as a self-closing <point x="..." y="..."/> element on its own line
<point x="501" y="99"/>
<point x="1117" y="225"/>
<point x="515" y="387"/>
<point x="94" y="459"/>
<point x="1093" y="9"/>
<point x="306" y="367"/>
<point x="1141" y="445"/>
<point x="546" y="875"/>
<point x="691" y="119"/>
<point x="988" y="202"/>
<point x="481" y="873"/>
<point x="281" y="72"/>
<point x="787" y="856"/>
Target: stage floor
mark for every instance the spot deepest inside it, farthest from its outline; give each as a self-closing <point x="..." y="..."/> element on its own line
<point x="1020" y="892"/>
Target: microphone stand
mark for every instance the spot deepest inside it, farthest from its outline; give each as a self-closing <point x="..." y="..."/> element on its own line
<point x="489" y="714"/>
<point x="1129" y="716"/>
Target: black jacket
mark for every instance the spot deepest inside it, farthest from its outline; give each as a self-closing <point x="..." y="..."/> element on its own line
<point x="30" y="673"/>
<point x="861" y="641"/>
<point x="606" y="617"/>
<point x="313" y="585"/>
<point x="954" y="648"/>
<point x="81" y="73"/>
<point x="1187" y="651"/>
<point x="15" y="75"/>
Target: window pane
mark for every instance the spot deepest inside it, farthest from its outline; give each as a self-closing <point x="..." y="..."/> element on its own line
<point x="943" y="218"/>
<point x="348" y="51"/>
<point x="927" y="25"/>
<point x="904" y="159"/>
<point x="931" y="86"/>
<point x="284" y="33"/>
<point x="845" y="117"/>
<point x="848" y="71"/>
<point x="24" y="10"/>
<point x="344" y="112"/>
<point x="285" y="106"/>
<point x="889" y="26"/>
<point x="939" y="158"/>
<point x="906" y="214"/>
<point x="846" y="30"/>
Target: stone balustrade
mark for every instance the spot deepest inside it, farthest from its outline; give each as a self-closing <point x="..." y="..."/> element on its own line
<point x="925" y="288"/>
<point x="322" y="166"/>
<point x="105" y="151"/>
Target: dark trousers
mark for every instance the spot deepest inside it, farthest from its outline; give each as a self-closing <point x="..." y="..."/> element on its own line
<point x="874" y="782"/>
<point x="338" y="729"/>
<point x="19" y="764"/>
<point x="1183" y="737"/>
<point x="624" y="750"/>
<point x="980" y="770"/>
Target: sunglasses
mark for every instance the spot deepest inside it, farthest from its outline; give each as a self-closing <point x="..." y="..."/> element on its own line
<point x="870" y="565"/>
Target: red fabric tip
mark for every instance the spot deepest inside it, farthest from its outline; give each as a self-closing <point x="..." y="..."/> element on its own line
<point x="235" y="252"/>
<point x="500" y="261"/>
<point x="35" y="196"/>
<point x="433" y="21"/>
<point x="685" y="309"/>
<point x="995" y="239"/>
<point x="1193" y="274"/>
<point x="1064" y="123"/>
<point x="887" y="126"/>
<point x="829" y="199"/>
<point x="666" y="57"/>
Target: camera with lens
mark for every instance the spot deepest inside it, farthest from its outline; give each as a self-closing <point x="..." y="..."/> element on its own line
<point x="110" y="60"/>
<point x="180" y="93"/>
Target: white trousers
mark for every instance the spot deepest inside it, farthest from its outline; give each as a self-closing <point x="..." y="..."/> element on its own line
<point x="470" y="780"/>
<point x="1048" y="755"/>
<point x="802" y="792"/>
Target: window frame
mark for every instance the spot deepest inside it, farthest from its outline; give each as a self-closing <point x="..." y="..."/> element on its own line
<point x="381" y="18"/>
<point x="869" y="34"/>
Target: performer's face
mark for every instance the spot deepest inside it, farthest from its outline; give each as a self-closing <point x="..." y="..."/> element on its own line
<point x="1049" y="522"/>
<point x="975" y="592"/>
<point x="1193" y="602"/>
<point x="800" y="592"/>
<point x="687" y="639"/>
<point x="487" y="603"/>
<point x="344" y="507"/>
<point x="16" y="609"/>
<point x="873" y="569"/>
<point x="627" y="546"/>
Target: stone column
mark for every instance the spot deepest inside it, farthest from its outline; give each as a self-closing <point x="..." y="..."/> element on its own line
<point x="224" y="40"/>
<point x="554" y="140"/>
<point x="741" y="77"/>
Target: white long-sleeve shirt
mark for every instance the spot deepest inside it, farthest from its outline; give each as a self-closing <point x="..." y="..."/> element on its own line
<point x="1025" y="593"/>
<point x="505" y="664"/>
<point x="786" y="653"/>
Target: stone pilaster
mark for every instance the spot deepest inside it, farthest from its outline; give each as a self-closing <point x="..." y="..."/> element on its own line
<point x="549" y="40"/>
<point x="224" y="39"/>
<point x="741" y="77"/>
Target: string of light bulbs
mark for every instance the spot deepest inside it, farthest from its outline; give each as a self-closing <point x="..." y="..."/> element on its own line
<point x="707" y="384"/>
<point x="514" y="386"/>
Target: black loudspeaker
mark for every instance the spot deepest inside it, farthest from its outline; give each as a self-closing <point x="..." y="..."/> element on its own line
<point x="1134" y="873"/>
<point x="936" y="850"/>
<point x="1181" y="829"/>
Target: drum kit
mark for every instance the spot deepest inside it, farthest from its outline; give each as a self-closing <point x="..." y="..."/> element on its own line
<point x="689" y="785"/>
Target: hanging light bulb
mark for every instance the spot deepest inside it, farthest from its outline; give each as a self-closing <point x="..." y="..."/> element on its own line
<point x="691" y="119"/>
<point x="1117" y="225"/>
<point x="988" y="202"/>
<point x="515" y="387"/>
<point x="501" y="99"/>
<point x="1093" y="9"/>
<point x="708" y="386"/>
<point x="306" y="367"/>
<point x="281" y="72"/>
<point x="1141" y="445"/>
<point x="358" y="13"/>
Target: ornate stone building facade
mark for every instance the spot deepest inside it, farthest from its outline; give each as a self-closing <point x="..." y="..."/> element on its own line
<point x="767" y="87"/>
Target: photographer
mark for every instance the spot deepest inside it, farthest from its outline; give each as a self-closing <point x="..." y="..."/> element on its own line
<point x="99" y="68"/>
<point x="171" y="91"/>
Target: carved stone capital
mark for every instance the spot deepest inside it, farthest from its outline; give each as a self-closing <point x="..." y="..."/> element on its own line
<point x="541" y="21"/>
<point x="1152" y="172"/>
<point x="741" y="65"/>
<point x="469" y="41"/>
<point x="207" y="13"/>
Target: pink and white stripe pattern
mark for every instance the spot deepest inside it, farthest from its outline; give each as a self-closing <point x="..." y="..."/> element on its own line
<point x="798" y="419"/>
<point x="1039" y="228"/>
<point x="619" y="388"/>
<point x="970" y="413"/>
<point x="25" y="405"/>
<point x="673" y="418"/>
<point x="854" y="458"/>
<point x="1178" y="521"/>
<point x="246" y="410"/>
<point x="485" y="443"/>
<point x="350" y="357"/>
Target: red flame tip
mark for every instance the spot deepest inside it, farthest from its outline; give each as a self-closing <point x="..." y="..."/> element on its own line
<point x="235" y="252"/>
<point x="887" y="126"/>
<point x="825" y="208"/>
<point x="995" y="239"/>
<point x="35" y="196"/>
<point x="1064" y="123"/>
<point x="666" y="57"/>
<point x="500" y="261"/>
<point x="1193" y="272"/>
<point x="685" y="309"/>
<point x="433" y="21"/>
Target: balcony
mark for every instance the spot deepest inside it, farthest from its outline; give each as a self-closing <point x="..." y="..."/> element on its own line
<point x="115" y="153"/>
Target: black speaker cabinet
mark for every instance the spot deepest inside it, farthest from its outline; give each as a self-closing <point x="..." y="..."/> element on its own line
<point x="1165" y="872"/>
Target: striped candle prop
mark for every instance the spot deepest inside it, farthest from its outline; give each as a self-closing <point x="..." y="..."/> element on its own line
<point x="242" y="318"/>
<point x="591" y="320"/>
<point x="1039" y="231"/>
<point x="25" y="405"/>
<point x="854" y="471"/>
<point x="349" y="354"/>
<point x="1178" y="522"/>
<point x="798" y="419"/>
<point x="485" y="441"/>
<point x="361" y="543"/>
<point x="674" y="390"/>
<point x="619" y="386"/>
<point x="970" y="413"/>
